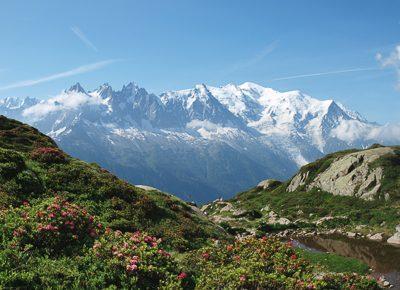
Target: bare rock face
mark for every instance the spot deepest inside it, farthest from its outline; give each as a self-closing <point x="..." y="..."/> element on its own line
<point x="395" y="239"/>
<point x="274" y="219"/>
<point x="348" y="175"/>
<point x="268" y="184"/>
<point x="377" y="237"/>
<point x="147" y="187"/>
<point x="297" y="181"/>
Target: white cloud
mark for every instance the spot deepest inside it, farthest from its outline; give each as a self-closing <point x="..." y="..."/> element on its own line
<point x="197" y="124"/>
<point x="325" y="73"/>
<point x="393" y="60"/>
<point x="64" y="101"/>
<point x="76" y="30"/>
<point x="353" y="130"/>
<point x="72" y="72"/>
<point x="388" y="134"/>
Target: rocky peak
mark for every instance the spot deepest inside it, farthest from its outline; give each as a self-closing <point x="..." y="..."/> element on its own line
<point x="77" y="88"/>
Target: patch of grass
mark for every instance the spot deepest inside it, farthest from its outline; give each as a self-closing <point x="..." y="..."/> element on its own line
<point x="334" y="263"/>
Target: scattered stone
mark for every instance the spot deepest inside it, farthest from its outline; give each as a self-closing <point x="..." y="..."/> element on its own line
<point x="395" y="239"/>
<point x="227" y="207"/>
<point x="386" y="284"/>
<point x="283" y="221"/>
<point x="238" y="212"/>
<point x="376" y="237"/>
<point x="382" y="280"/>
<point x="268" y="184"/>
<point x="265" y="208"/>
<point x="351" y="234"/>
<point x="360" y="227"/>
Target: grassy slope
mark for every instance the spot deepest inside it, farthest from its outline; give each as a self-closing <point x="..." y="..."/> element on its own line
<point x="309" y="206"/>
<point x="118" y="204"/>
<point x="334" y="263"/>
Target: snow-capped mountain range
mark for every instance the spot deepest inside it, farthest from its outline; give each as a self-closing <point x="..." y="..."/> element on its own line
<point x="199" y="143"/>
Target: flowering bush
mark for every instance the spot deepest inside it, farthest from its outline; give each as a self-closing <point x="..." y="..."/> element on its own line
<point x="48" y="155"/>
<point x="265" y="263"/>
<point x="11" y="163"/>
<point x="133" y="260"/>
<point x="54" y="225"/>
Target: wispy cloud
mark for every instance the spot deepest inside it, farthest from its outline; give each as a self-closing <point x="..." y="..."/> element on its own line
<point x="333" y="72"/>
<point x="255" y="59"/>
<point x="76" y="71"/>
<point x="76" y="30"/>
<point x="393" y="60"/>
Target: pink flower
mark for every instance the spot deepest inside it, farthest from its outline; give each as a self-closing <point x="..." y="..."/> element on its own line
<point x="293" y="257"/>
<point x="131" y="267"/>
<point x="96" y="246"/>
<point x="205" y="255"/>
<point x="18" y="232"/>
<point x="182" y="276"/>
<point x="70" y="224"/>
<point x="134" y="260"/>
<point x="242" y="278"/>
<point x="52" y="215"/>
<point x="229" y="248"/>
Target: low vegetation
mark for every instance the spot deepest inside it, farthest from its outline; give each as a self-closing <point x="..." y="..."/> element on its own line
<point x="307" y="208"/>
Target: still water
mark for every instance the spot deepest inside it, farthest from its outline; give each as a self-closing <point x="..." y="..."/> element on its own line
<point x="384" y="259"/>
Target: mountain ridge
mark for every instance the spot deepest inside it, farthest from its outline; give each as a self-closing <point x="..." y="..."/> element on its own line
<point x="137" y="134"/>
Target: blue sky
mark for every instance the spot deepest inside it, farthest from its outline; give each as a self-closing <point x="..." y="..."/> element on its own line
<point x="326" y="49"/>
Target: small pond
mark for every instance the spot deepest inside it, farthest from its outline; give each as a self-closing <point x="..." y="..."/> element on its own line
<point x="384" y="259"/>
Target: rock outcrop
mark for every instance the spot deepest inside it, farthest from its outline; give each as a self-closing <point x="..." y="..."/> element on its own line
<point x="395" y="239"/>
<point x="297" y="181"/>
<point x="349" y="175"/>
<point x="268" y="184"/>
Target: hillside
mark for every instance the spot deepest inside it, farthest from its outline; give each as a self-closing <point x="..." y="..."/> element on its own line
<point x="347" y="191"/>
<point x="33" y="168"/>
<point x="67" y="224"/>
